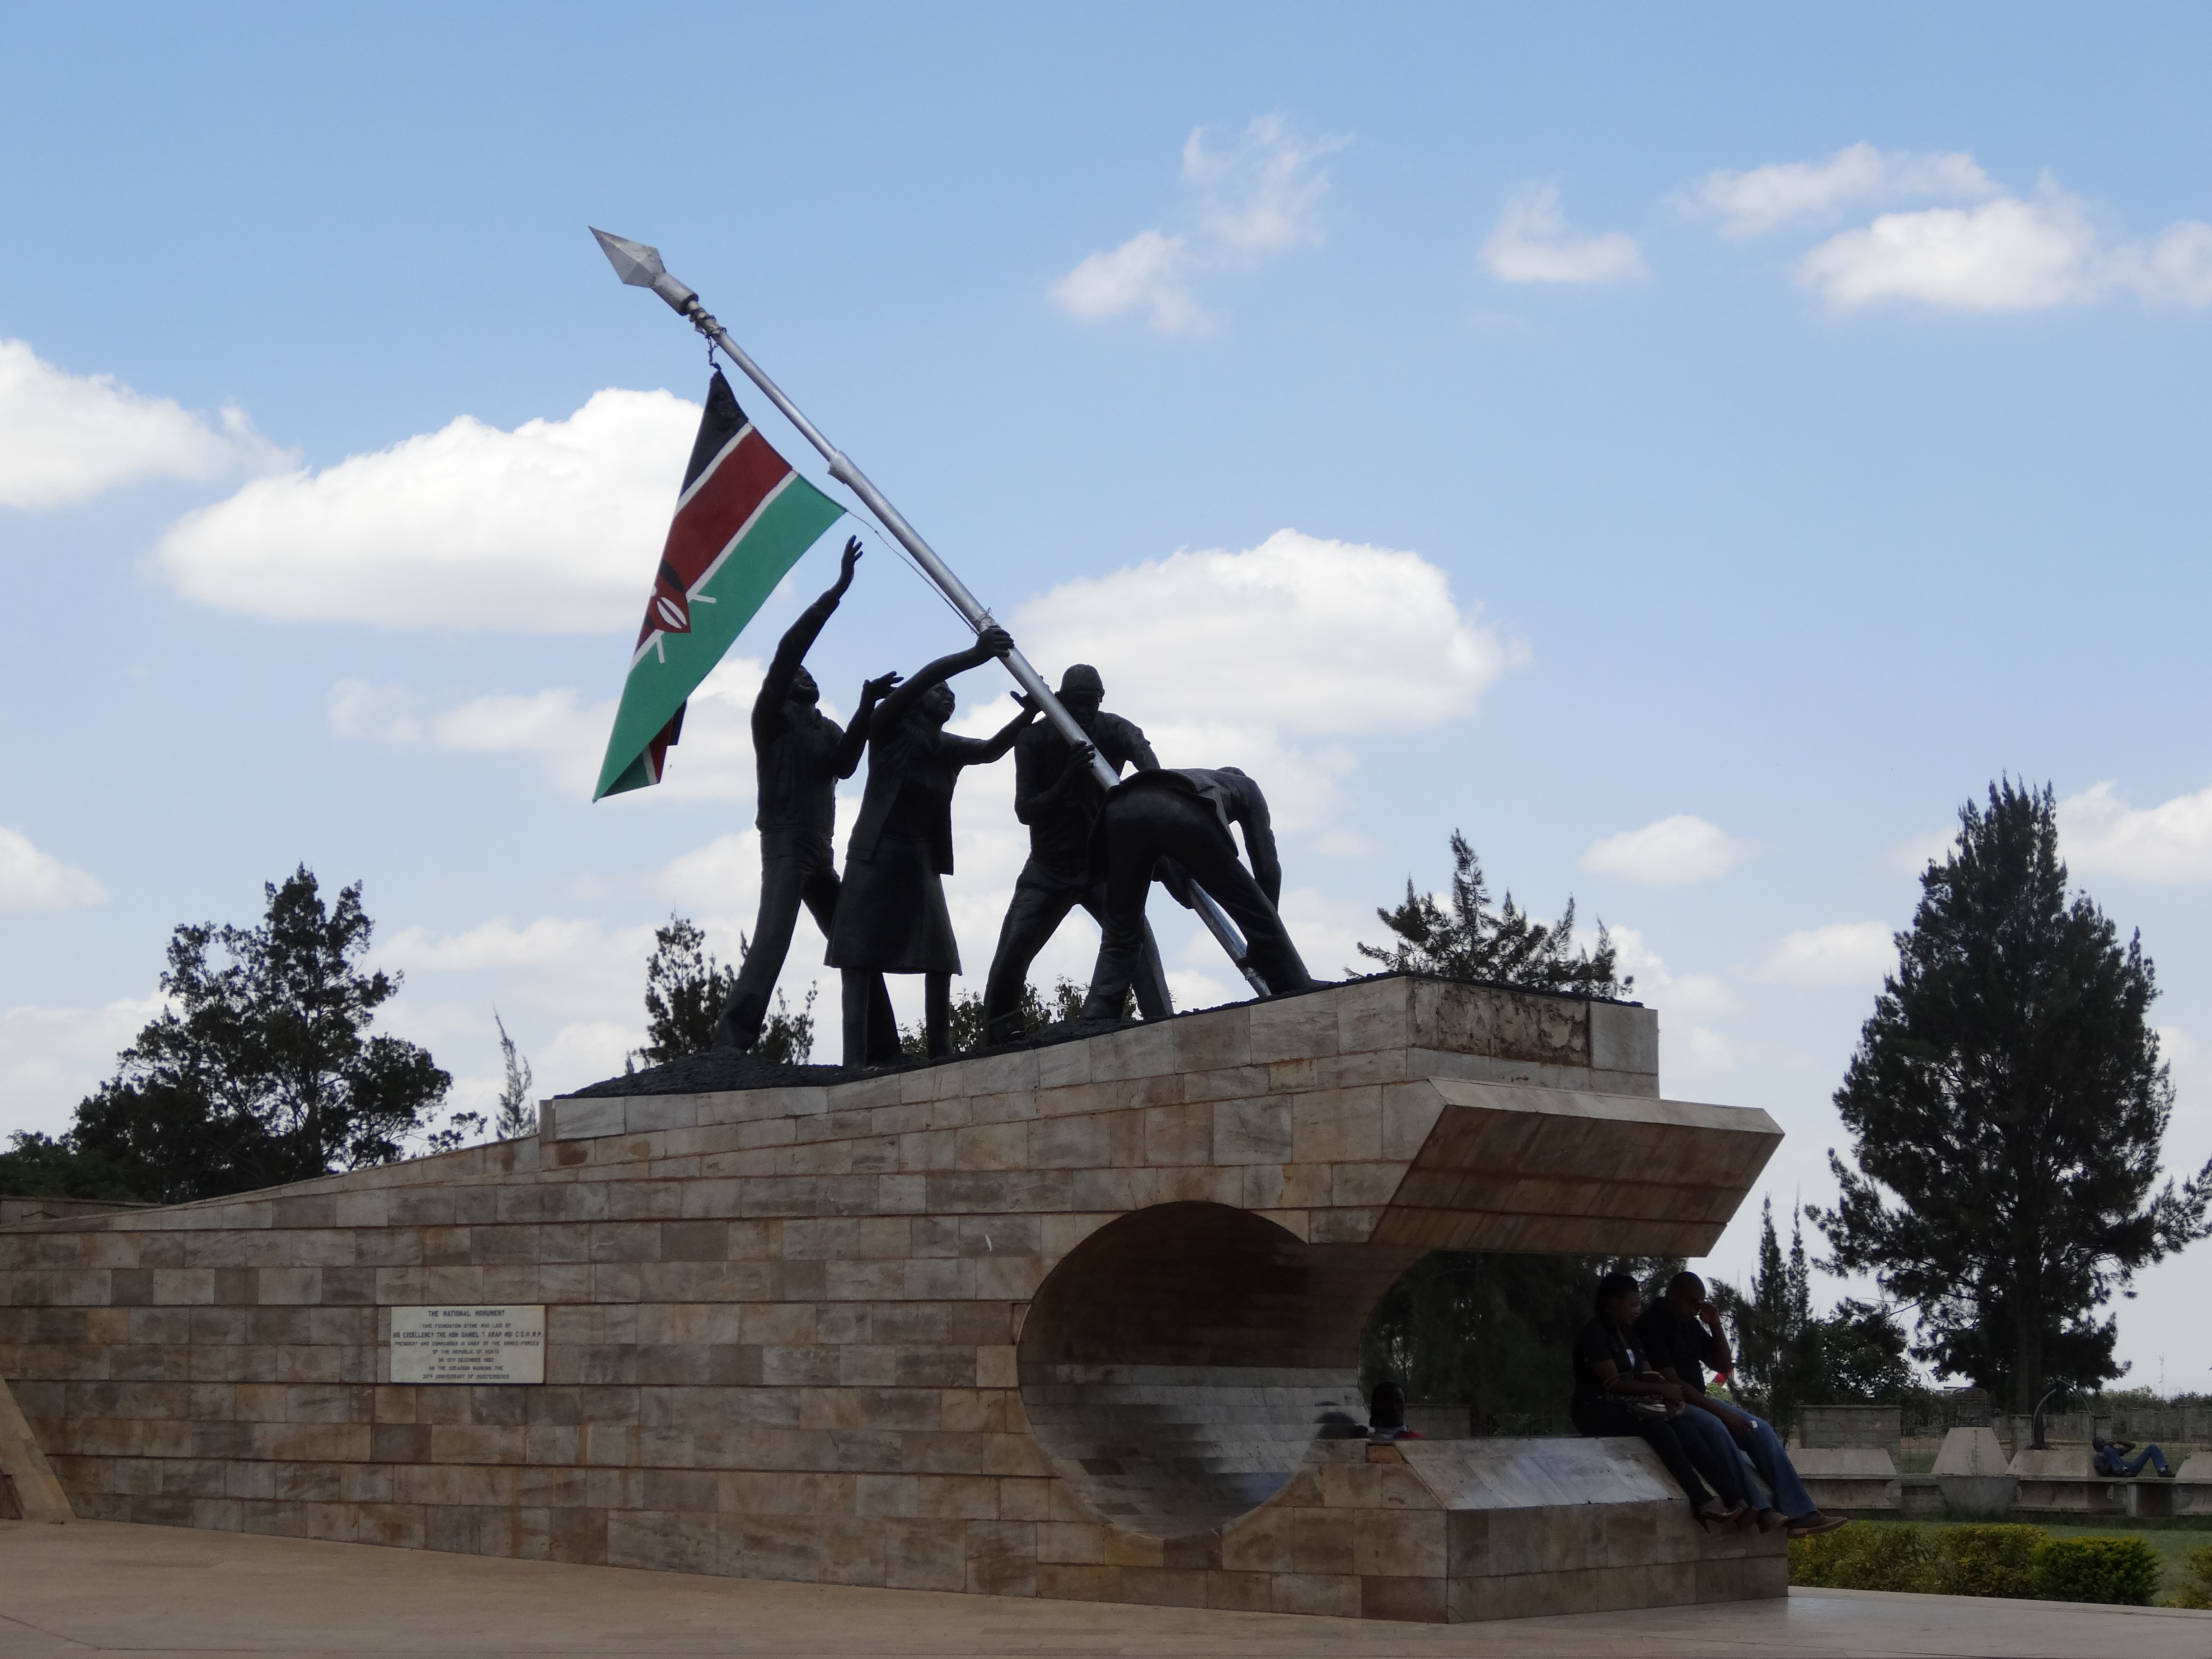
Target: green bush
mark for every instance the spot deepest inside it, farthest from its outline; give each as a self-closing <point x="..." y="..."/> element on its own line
<point x="1864" y="1556"/>
<point x="2197" y="1592"/>
<point x="1988" y="1560"/>
<point x="2116" y="1570"/>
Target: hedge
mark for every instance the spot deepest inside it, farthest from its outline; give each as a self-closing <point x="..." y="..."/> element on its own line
<point x="2002" y="1560"/>
<point x="2197" y="1592"/>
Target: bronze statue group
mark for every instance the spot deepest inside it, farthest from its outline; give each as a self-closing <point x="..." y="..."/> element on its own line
<point x="1089" y="846"/>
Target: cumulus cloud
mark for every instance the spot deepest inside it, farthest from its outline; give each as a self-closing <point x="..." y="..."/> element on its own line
<point x="1695" y="1048"/>
<point x="2098" y="832"/>
<point x="51" y="1058"/>
<point x="1916" y="853"/>
<point x="549" y="528"/>
<point x="32" y="880"/>
<point x="2006" y="255"/>
<point x="1841" y="953"/>
<point x="1760" y="199"/>
<point x="64" y="437"/>
<point x="1532" y="243"/>
<point x="1150" y="272"/>
<point x="1259" y="195"/>
<point x="566" y="736"/>
<point x="1674" y="850"/>
<point x="1248" y="658"/>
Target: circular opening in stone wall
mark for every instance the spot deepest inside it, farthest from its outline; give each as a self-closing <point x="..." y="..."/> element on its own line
<point x="1178" y="1362"/>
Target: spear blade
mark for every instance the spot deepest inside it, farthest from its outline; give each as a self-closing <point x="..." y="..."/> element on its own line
<point x="639" y="266"/>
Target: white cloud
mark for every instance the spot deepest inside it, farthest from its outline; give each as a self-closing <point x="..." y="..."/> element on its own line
<point x="64" y="436"/>
<point x="2006" y="255"/>
<point x="1758" y="200"/>
<point x="1532" y="243"/>
<point x="1258" y="196"/>
<point x="713" y="760"/>
<point x="32" y="880"/>
<point x="1916" y="853"/>
<point x="1841" y="953"/>
<point x="1149" y="272"/>
<point x="549" y="528"/>
<point x="1242" y="658"/>
<point x="51" y="1058"/>
<point x="2171" y="842"/>
<point x="1677" y="849"/>
<point x="1694" y="1049"/>
<point x="1261" y="193"/>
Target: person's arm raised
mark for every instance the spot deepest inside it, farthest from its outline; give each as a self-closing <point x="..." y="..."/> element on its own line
<point x="993" y="641"/>
<point x="855" y="740"/>
<point x="797" y="640"/>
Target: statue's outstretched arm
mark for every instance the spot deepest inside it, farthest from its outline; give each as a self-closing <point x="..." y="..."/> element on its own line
<point x="993" y="641"/>
<point x="855" y="743"/>
<point x="798" y="639"/>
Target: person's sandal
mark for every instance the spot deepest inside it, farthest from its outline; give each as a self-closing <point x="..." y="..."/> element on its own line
<point x="1813" y="1524"/>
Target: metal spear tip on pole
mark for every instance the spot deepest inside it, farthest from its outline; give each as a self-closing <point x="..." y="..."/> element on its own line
<point x="639" y="266"/>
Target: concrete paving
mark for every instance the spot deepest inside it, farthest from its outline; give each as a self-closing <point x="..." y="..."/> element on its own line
<point x="99" y="1586"/>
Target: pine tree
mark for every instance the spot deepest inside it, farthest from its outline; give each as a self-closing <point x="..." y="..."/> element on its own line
<point x="517" y="1116"/>
<point x="2008" y="1108"/>
<point x="1502" y="946"/>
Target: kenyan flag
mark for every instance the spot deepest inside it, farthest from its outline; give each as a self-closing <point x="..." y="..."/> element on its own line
<point x="743" y="519"/>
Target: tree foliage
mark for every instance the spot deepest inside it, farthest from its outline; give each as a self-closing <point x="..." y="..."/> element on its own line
<point x="1039" y="1009"/>
<point x="516" y="1115"/>
<point x="1491" y="1331"/>
<point x="685" y="990"/>
<point x="1787" y="1357"/>
<point x="2008" y="1095"/>
<point x="1502" y="944"/>
<point x="259" y="1070"/>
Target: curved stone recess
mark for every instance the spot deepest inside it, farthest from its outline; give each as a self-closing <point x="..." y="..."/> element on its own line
<point x="1178" y="1363"/>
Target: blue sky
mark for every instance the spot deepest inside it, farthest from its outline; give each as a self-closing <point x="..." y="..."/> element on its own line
<point x="1690" y="453"/>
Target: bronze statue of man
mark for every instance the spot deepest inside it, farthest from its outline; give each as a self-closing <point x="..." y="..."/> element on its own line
<point x="1183" y="816"/>
<point x="891" y="917"/>
<point x="799" y="757"/>
<point x="1057" y="795"/>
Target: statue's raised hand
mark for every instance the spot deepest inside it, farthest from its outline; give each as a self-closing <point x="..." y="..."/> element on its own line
<point x="852" y="557"/>
<point x="995" y="641"/>
<point x="877" y="690"/>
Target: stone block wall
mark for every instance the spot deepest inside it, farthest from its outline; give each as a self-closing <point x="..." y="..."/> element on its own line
<point x="796" y="1333"/>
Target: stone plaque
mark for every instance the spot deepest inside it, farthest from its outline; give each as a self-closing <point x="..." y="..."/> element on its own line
<point x="468" y="1345"/>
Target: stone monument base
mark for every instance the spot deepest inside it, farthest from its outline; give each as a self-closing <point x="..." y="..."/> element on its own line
<point x="1078" y="1319"/>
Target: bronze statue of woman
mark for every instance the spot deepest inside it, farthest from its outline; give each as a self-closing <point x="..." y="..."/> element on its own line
<point x="890" y="915"/>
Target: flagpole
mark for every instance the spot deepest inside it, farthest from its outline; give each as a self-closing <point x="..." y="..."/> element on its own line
<point x="639" y="266"/>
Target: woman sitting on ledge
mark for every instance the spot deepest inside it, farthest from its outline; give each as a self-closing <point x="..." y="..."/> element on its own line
<point x="1616" y="1393"/>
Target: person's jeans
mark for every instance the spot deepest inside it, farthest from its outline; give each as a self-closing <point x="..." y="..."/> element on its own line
<point x="1763" y="1457"/>
<point x="2128" y="1467"/>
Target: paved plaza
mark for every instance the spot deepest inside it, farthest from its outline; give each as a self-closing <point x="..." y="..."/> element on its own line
<point x="103" y="1587"/>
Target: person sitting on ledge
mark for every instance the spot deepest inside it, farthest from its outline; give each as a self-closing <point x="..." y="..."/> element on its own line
<point x="2111" y="1457"/>
<point x="1617" y="1393"/>
<point x="1385" y="1413"/>
<point x="1681" y="1335"/>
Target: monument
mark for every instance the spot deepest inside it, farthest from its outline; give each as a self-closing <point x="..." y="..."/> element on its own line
<point x="1059" y="1319"/>
<point x="1073" y="1316"/>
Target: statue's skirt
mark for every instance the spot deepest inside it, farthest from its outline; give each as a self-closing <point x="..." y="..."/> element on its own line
<point x="891" y="913"/>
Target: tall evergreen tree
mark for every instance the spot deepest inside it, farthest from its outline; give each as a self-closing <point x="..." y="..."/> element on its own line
<point x="261" y="1070"/>
<point x="1502" y="944"/>
<point x="1777" y="1340"/>
<point x="2008" y="1095"/>
<point x="517" y="1115"/>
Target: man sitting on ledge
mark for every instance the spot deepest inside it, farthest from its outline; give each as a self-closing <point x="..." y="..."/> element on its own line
<point x="1681" y="1334"/>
